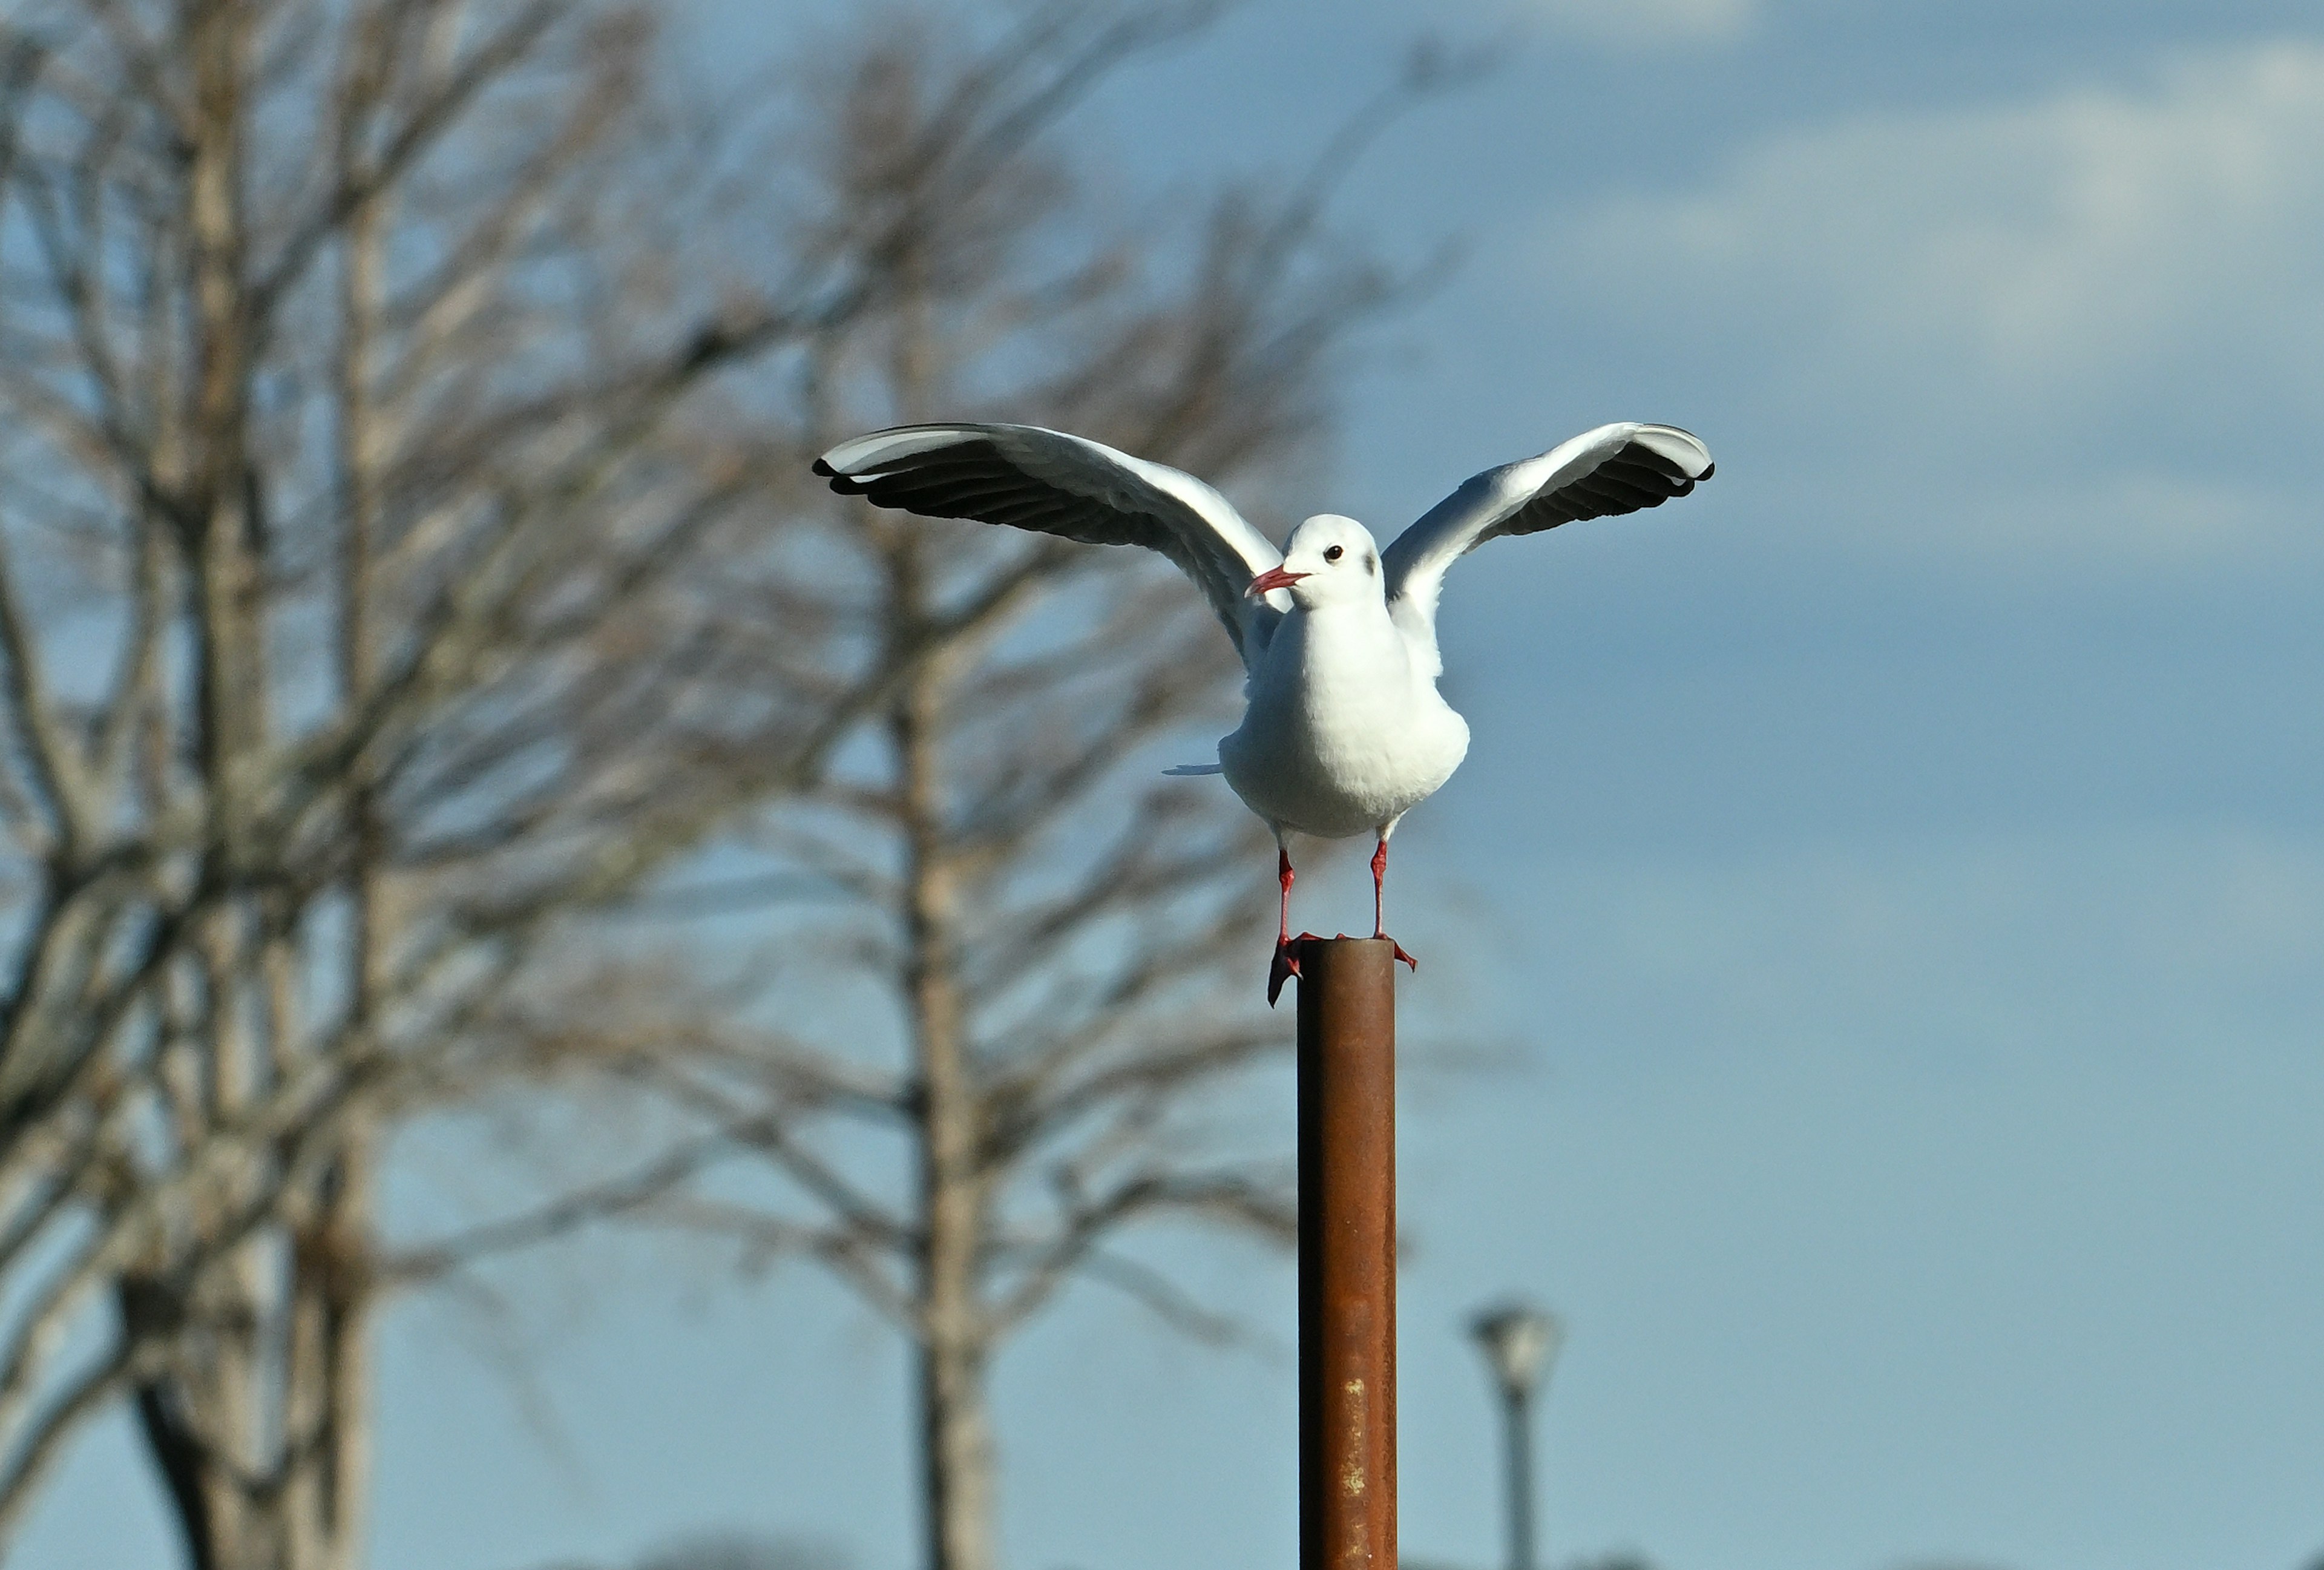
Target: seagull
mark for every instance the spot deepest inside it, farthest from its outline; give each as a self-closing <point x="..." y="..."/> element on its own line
<point x="1343" y="731"/>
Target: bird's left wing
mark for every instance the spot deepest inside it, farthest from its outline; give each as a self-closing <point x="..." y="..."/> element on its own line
<point x="1068" y="485"/>
<point x="1615" y="468"/>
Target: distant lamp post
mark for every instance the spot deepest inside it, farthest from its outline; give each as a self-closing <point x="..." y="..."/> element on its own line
<point x="1520" y="1342"/>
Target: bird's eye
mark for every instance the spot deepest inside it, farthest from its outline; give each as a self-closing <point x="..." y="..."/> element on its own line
<point x="1331" y="553"/>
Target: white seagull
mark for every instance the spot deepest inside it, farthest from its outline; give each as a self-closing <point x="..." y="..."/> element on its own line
<point x="1343" y="731"/>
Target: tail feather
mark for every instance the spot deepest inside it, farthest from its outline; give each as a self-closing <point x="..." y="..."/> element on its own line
<point x="1186" y="769"/>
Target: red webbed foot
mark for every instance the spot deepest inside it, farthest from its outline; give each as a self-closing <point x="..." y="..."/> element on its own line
<point x="1285" y="967"/>
<point x="1400" y="953"/>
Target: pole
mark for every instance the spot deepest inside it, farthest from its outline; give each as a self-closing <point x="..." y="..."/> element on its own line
<point x="1347" y="1254"/>
<point x="1520" y="1343"/>
<point x="1519" y="1450"/>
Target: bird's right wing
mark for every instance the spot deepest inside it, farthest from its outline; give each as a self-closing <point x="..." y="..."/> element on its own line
<point x="1068" y="485"/>
<point x="1615" y="468"/>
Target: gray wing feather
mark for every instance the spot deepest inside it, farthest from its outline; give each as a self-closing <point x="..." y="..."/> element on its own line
<point x="1028" y="477"/>
<point x="1613" y="469"/>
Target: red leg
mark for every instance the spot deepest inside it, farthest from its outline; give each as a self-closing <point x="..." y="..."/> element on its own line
<point x="1286" y="959"/>
<point x="1379" y="925"/>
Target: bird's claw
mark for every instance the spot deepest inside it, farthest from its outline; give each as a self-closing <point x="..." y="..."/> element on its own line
<point x="1400" y="953"/>
<point x="1285" y="967"/>
<point x="1285" y="964"/>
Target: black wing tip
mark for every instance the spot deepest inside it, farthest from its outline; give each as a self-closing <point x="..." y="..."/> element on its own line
<point x="1675" y="467"/>
<point x="1671" y="471"/>
<point x="844" y="484"/>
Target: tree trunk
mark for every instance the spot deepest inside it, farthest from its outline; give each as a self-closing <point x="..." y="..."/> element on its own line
<point x="957" y="1457"/>
<point x="327" y="1362"/>
<point x="209" y="1421"/>
<point x="327" y="1372"/>
<point x="955" y="1432"/>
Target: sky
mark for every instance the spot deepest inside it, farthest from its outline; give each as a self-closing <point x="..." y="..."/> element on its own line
<point x="1880" y="919"/>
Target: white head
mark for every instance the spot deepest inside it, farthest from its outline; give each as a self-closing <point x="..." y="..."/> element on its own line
<point x="1328" y="560"/>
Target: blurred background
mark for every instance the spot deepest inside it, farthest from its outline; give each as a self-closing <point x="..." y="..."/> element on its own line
<point x="572" y="1000"/>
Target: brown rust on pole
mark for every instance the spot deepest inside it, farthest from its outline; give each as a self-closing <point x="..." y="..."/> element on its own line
<point x="1347" y="1254"/>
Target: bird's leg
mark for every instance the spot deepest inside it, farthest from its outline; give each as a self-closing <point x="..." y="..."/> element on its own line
<point x="1380" y="876"/>
<point x="1286" y="952"/>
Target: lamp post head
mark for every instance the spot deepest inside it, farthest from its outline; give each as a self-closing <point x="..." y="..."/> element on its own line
<point x="1520" y="1342"/>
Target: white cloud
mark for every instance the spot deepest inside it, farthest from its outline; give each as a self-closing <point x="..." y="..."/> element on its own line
<point x="2096" y="295"/>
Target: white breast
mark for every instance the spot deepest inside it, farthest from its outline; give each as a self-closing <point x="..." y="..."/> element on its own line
<point x="1345" y="732"/>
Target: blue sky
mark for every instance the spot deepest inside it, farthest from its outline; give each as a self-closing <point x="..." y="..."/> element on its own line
<point x="1888" y="887"/>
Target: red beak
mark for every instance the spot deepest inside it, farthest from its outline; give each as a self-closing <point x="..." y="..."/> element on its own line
<point x="1274" y="577"/>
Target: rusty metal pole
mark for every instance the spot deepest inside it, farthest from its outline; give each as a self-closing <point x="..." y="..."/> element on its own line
<point x="1347" y="1254"/>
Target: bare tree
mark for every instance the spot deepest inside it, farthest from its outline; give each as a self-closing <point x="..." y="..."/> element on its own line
<point x="365" y="454"/>
<point x="1054" y="957"/>
<point x="405" y="559"/>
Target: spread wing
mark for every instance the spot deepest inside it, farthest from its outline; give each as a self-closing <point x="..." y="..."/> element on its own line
<point x="1615" y="468"/>
<point x="1068" y="485"/>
